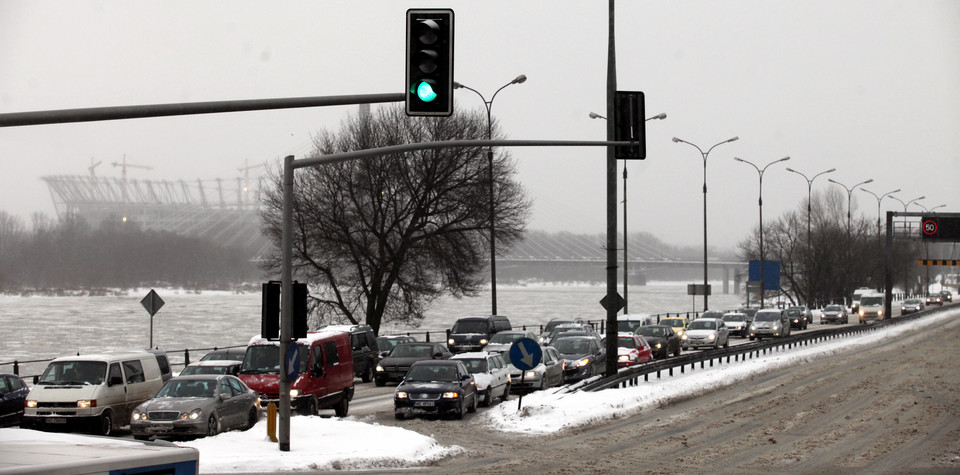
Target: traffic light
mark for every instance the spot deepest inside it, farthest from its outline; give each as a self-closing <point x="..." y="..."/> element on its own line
<point x="299" y="310"/>
<point x="270" y="311"/>
<point x="429" y="78"/>
<point x="630" y="125"/>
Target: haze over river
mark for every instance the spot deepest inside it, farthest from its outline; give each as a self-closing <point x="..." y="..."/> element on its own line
<point x="40" y="327"/>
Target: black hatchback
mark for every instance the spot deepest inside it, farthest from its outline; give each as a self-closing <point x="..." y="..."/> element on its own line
<point x="662" y="339"/>
<point x="13" y="393"/>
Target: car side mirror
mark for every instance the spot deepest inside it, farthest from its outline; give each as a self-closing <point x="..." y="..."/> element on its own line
<point x="224" y="397"/>
<point x="465" y="377"/>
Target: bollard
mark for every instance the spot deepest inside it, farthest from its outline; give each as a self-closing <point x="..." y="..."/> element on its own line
<point x="272" y="422"/>
<point x="16" y="368"/>
<point x="428" y="337"/>
<point x="186" y="357"/>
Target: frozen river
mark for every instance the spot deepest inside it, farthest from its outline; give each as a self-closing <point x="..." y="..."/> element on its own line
<point x="40" y="327"/>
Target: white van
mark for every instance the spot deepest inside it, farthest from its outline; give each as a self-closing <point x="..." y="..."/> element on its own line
<point x="92" y="392"/>
<point x="871" y="307"/>
<point x="632" y="321"/>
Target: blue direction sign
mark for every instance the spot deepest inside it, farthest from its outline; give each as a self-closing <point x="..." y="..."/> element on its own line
<point x="291" y="362"/>
<point x="525" y="354"/>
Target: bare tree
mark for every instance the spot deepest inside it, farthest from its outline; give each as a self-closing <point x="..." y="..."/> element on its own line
<point x="379" y="239"/>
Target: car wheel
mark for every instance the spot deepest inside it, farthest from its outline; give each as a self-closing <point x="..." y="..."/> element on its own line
<point x="459" y="414"/>
<point x="368" y="374"/>
<point x="726" y="343"/>
<point x="398" y="416"/>
<point x="380" y="383"/>
<point x="105" y="424"/>
<point x="312" y="406"/>
<point x="213" y="427"/>
<point x="677" y="351"/>
<point x="252" y="418"/>
<point x="473" y="406"/>
<point x="342" y="407"/>
<point x="487" y="397"/>
<point x="506" y="393"/>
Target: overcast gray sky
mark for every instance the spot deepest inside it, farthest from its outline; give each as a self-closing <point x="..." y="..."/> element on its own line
<point x="870" y="87"/>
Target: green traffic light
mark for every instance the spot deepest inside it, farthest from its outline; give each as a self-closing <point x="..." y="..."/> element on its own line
<point x="425" y="92"/>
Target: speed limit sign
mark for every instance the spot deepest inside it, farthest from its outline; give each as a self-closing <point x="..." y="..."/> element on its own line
<point x="930" y="227"/>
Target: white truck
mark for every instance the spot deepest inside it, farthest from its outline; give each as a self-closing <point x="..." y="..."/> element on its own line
<point x="871" y="308"/>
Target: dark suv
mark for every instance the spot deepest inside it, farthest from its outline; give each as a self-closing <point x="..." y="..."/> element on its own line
<point x="363" y="343"/>
<point x="473" y="333"/>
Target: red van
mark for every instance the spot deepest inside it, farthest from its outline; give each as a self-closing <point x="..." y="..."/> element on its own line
<point x="326" y="372"/>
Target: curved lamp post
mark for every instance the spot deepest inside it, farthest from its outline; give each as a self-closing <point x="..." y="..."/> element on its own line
<point x="849" y="192"/>
<point x="879" y="199"/>
<point x="809" y="234"/>
<point x="905" y="205"/>
<point x="704" y="155"/>
<point x="660" y="116"/>
<point x="493" y="236"/>
<point x="760" y="172"/>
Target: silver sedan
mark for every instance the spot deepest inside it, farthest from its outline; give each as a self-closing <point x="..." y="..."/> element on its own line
<point x="196" y="406"/>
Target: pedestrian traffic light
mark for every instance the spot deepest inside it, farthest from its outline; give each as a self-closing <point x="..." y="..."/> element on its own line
<point x="429" y="75"/>
<point x="299" y="310"/>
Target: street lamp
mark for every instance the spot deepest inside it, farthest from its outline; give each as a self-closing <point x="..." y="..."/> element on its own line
<point x="493" y="236"/>
<point x="879" y="199"/>
<point x="809" y="234"/>
<point x="908" y="203"/>
<point x="704" y="154"/>
<point x="760" y="172"/>
<point x="849" y="192"/>
<point x="925" y="210"/>
<point x="660" y="116"/>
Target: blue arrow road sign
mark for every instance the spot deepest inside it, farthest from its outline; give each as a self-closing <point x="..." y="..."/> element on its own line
<point x="525" y="354"/>
<point x="292" y="361"/>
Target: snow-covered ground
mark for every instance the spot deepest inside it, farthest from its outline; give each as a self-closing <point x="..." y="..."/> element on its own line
<point x="329" y="443"/>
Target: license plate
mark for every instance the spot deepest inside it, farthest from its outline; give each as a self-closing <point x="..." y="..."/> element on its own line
<point x="56" y="420"/>
<point x="424" y="404"/>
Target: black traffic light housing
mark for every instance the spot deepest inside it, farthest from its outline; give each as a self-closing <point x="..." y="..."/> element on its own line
<point x="270" y="310"/>
<point x="630" y="125"/>
<point x="429" y="65"/>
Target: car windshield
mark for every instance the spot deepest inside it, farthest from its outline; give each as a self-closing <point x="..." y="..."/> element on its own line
<point x="469" y="326"/>
<point x="74" y="372"/>
<point x="793" y="313"/>
<point x="833" y="308"/>
<point x="262" y="359"/>
<point x="572" y="347"/>
<point x="629" y="326"/>
<point x="475" y="365"/>
<point x="219" y="369"/>
<point x="506" y="337"/>
<point x="711" y="314"/>
<point x="188" y="388"/>
<point x="672" y="322"/>
<point x="865" y="301"/>
<point x="432" y="373"/>
<point x="387" y="344"/>
<point x="626" y="342"/>
<point x="912" y="302"/>
<point x="553" y="323"/>
<point x="767" y="317"/>
<point x="702" y="325"/>
<point x="651" y="331"/>
<point x="734" y="317"/>
<point x="410" y="351"/>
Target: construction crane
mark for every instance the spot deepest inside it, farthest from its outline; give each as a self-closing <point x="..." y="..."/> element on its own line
<point x="123" y="167"/>
<point x="92" y="166"/>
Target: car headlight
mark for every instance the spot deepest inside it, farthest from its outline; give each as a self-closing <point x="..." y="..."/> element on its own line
<point x="583" y="362"/>
<point x="659" y="345"/>
<point x="401" y="394"/>
<point x="623" y="358"/>
<point x="450" y="395"/>
<point x="192" y="415"/>
<point x="776" y="326"/>
<point x="880" y="313"/>
<point x="451" y="342"/>
<point x="85" y="403"/>
<point x="483" y="341"/>
<point x="753" y="327"/>
<point x="294" y="393"/>
<point x="861" y="312"/>
<point x="379" y="369"/>
<point x="31" y="403"/>
<point x="683" y="337"/>
<point x="531" y="374"/>
<point x="712" y="336"/>
<point x="138" y="416"/>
